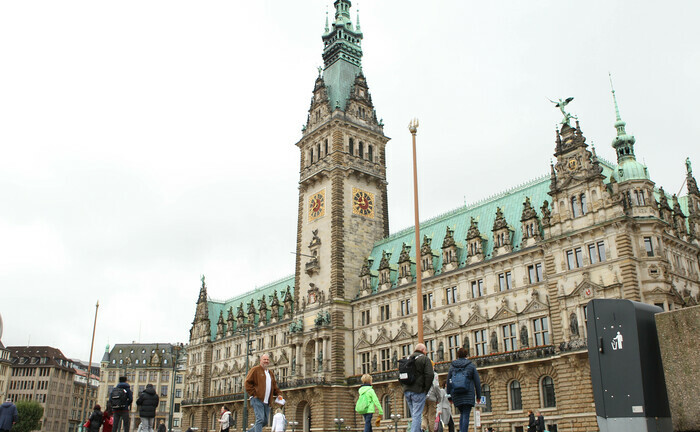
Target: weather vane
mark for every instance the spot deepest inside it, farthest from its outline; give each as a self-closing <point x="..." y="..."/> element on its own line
<point x="561" y="104"/>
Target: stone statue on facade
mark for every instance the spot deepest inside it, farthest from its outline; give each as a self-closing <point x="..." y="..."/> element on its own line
<point x="524" y="342"/>
<point x="394" y="360"/>
<point x="294" y="365"/>
<point x="573" y="324"/>
<point x="374" y="363"/>
<point x="441" y="352"/>
<point x="320" y="361"/>
<point x="494" y="342"/>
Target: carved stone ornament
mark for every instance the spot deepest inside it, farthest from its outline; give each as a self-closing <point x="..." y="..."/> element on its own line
<point x="546" y="213"/>
<point x="473" y="231"/>
<point x="500" y="221"/>
<point x="528" y="211"/>
<point x="449" y="239"/>
<point x="315" y="240"/>
<point x="384" y="262"/>
<point x="405" y="256"/>
<point x="425" y="249"/>
<point x="365" y="270"/>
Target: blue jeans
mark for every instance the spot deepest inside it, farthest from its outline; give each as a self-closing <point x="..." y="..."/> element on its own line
<point x="368" y="422"/>
<point x="262" y="414"/>
<point x="416" y="402"/>
<point x="147" y="424"/>
<point x="464" y="411"/>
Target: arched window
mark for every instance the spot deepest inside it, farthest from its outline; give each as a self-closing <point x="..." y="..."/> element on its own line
<point x="325" y="145"/>
<point x="351" y="146"/>
<point x="311" y="156"/>
<point x="370" y="155"/>
<point x="361" y="150"/>
<point x="642" y="200"/>
<point x="548" y="399"/>
<point x="584" y="207"/>
<point x="318" y="151"/>
<point x="386" y="403"/>
<point x="486" y="393"/>
<point x="515" y="401"/>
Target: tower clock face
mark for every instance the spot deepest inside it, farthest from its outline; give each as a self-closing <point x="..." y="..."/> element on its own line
<point x="317" y="205"/>
<point x="362" y="203"/>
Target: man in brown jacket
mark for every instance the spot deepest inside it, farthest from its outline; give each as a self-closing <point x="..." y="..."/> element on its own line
<point x="262" y="387"/>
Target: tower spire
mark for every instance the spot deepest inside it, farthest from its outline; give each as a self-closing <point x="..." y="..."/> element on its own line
<point x="326" y="29"/>
<point x="623" y="142"/>
<point x="357" y="26"/>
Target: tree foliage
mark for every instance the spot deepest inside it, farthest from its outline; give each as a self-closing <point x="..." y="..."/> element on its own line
<point x="30" y="414"/>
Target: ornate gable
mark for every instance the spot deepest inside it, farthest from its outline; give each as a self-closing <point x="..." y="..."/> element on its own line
<point x="363" y="342"/>
<point x="475" y="316"/>
<point x="403" y="333"/>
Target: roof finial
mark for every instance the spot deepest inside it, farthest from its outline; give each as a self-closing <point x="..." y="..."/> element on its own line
<point x="327" y="29"/>
<point x="357" y="26"/>
<point x="617" y="111"/>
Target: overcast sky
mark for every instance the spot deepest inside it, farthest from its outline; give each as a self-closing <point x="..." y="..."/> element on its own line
<point x="145" y="143"/>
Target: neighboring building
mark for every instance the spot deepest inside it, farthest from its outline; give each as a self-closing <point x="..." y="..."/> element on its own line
<point x="508" y="278"/>
<point x="160" y="364"/>
<point x="5" y="369"/>
<point x="80" y="411"/>
<point x="45" y="375"/>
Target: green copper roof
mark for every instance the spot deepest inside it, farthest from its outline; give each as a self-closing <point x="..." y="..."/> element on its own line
<point x="484" y="212"/>
<point x="342" y="55"/>
<point x="630" y="169"/>
<point x="268" y="291"/>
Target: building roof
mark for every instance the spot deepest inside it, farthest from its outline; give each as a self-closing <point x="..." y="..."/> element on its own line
<point x="39" y="356"/>
<point x="142" y="355"/>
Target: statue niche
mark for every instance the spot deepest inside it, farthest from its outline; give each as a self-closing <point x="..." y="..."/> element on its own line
<point x="313" y="265"/>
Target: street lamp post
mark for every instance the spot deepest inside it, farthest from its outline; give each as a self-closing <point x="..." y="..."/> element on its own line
<point x="413" y="128"/>
<point x="294" y="425"/>
<point x="339" y="422"/>
<point x="395" y="418"/>
<point x="248" y="352"/>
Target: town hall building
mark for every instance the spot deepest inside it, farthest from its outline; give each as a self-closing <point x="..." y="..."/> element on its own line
<point x="508" y="278"/>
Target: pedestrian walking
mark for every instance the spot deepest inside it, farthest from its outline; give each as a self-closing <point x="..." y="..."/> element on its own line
<point x="367" y="402"/>
<point x="531" y="422"/>
<point x="95" y="419"/>
<point x="225" y="419"/>
<point x="443" y="408"/>
<point x="416" y="391"/>
<point x="462" y="384"/>
<point x="161" y="426"/>
<point x="121" y="399"/>
<point x="147" y="403"/>
<point x="279" y="421"/>
<point x="107" y="418"/>
<point x="8" y="415"/>
<point x="539" y="422"/>
<point x="262" y="388"/>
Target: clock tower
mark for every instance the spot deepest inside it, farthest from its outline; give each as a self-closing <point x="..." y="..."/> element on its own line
<point x="342" y="199"/>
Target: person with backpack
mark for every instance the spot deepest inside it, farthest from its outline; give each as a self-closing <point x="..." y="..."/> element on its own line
<point x="416" y="376"/>
<point x="95" y="419"/>
<point x="462" y="381"/>
<point x="279" y="421"/>
<point x="367" y="402"/>
<point x="121" y="398"/>
<point x="147" y="403"/>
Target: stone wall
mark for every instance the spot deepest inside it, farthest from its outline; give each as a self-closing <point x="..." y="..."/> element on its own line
<point x="678" y="332"/>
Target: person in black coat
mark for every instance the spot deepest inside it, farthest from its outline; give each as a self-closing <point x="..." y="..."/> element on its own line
<point x="464" y="400"/>
<point x="147" y="403"/>
<point x="531" y="422"/>
<point x="539" y="422"/>
<point x="95" y="419"/>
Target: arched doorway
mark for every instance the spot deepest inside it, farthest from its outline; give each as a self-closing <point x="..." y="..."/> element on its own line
<point x="303" y="416"/>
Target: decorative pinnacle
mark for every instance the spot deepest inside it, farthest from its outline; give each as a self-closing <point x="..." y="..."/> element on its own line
<point x="357" y="26"/>
<point x="413" y="126"/>
<point x="327" y="29"/>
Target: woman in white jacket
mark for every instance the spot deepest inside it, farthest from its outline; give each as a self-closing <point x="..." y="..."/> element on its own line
<point x="279" y="422"/>
<point x="225" y="419"/>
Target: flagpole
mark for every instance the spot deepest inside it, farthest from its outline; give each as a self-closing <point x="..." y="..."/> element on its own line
<point x="89" y="368"/>
<point x="413" y="128"/>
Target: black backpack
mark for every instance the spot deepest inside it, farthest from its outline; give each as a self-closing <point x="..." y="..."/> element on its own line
<point x="407" y="370"/>
<point x="119" y="398"/>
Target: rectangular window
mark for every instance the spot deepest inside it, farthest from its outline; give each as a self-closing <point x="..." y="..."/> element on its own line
<point x="430" y="345"/>
<point x="406" y="350"/>
<point x="161" y="406"/>
<point x="163" y="390"/>
<point x="386" y="359"/>
<point x="364" y="317"/>
<point x="178" y="393"/>
<point x="592" y="253"/>
<point x="480" y="342"/>
<point x="405" y="307"/>
<point x="428" y="301"/>
<point x="509" y="335"/>
<point x="142" y="376"/>
<point x="384" y="312"/>
<point x="574" y="258"/>
<point x="453" y="346"/>
<point x="505" y="281"/>
<point x="534" y="272"/>
<point x="451" y="295"/>
<point x="477" y="288"/>
<point x="601" y="251"/>
<point x="579" y="257"/>
<point x="541" y="331"/>
<point x="364" y="362"/>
